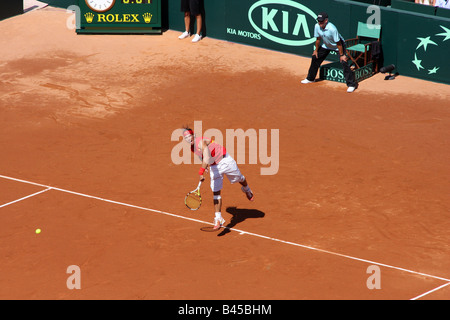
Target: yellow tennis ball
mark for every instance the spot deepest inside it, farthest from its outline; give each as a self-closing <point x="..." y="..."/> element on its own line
<point x="38" y="231"/>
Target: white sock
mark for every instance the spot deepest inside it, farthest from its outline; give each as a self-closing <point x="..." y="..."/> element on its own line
<point x="218" y="215"/>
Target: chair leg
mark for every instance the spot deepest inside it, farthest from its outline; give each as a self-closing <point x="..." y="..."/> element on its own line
<point x="354" y="60"/>
<point x="365" y="57"/>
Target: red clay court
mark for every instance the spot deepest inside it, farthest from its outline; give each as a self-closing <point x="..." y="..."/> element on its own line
<point x="86" y="124"/>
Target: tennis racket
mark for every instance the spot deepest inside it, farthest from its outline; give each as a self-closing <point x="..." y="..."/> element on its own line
<point x="193" y="199"/>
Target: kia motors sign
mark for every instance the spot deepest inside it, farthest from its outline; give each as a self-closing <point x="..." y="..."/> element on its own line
<point x="283" y="25"/>
<point x="285" y="22"/>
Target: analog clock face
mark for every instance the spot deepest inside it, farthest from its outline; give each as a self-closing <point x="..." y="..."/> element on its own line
<point x="100" y="5"/>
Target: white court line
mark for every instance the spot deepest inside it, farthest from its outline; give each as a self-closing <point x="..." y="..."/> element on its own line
<point x="428" y="292"/>
<point x="241" y="231"/>
<point x="29" y="196"/>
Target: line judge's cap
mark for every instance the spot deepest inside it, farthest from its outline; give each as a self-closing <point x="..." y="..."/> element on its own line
<point x="322" y="16"/>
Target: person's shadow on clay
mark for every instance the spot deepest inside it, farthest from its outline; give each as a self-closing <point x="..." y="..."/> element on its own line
<point x="239" y="215"/>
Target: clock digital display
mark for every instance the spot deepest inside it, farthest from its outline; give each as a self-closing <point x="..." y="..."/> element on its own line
<point x="137" y="1"/>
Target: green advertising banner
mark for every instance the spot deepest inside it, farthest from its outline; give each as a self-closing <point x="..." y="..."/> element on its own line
<point x="409" y="40"/>
<point x="119" y="16"/>
<point x="423" y="49"/>
<point x="283" y="25"/>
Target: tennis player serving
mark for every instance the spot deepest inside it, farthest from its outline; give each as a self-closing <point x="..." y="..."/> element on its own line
<point x="220" y="164"/>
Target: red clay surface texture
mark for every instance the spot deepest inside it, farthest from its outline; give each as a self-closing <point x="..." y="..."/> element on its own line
<point x="86" y="123"/>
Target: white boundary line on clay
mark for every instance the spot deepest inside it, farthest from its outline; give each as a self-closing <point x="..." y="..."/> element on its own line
<point x="433" y="290"/>
<point x="26" y="197"/>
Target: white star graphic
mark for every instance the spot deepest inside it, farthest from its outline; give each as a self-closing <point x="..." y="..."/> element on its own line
<point x="425" y="42"/>
<point x="417" y="62"/>
<point x="445" y="34"/>
<point x="434" y="70"/>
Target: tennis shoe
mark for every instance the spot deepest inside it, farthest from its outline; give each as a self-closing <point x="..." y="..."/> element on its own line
<point x="248" y="193"/>
<point x="218" y="223"/>
<point x="184" y="35"/>
<point x="306" y="81"/>
<point x="197" y="38"/>
<point x="351" y="89"/>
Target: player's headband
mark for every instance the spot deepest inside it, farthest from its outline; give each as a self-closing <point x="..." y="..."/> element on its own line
<point x="187" y="132"/>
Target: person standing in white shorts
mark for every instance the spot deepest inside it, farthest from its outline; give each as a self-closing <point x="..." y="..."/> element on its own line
<point x="220" y="164"/>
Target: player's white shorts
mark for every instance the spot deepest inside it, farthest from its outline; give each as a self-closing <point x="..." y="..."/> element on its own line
<point x="228" y="167"/>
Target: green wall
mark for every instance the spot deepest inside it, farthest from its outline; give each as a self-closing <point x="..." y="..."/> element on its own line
<point x="418" y="44"/>
<point x="423" y="46"/>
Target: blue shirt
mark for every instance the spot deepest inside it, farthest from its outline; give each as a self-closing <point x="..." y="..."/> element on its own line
<point x="330" y="36"/>
<point x="443" y="4"/>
